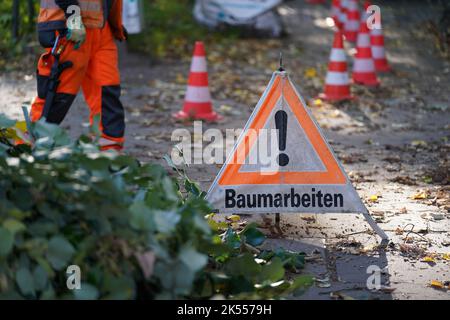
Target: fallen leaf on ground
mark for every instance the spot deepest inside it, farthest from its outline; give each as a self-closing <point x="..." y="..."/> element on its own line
<point x="387" y="289"/>
<point x="420" y="195"/>
<point x="411" y="249"/>
<point x="446" y="256"/>
<point x="428" y="259"/>
<point x="437" y="284"/>
<point x="406" y="180"/>
<point x="317" y="102"/>
<point x="234" y="218"/>
<point x="369" y="248"/>
<point x="180" y="79"/>
<point x="378" y="213"/>
<point x="340" y="296"/>
<point x="352" y="158"/>
<point x="419" y="143"/>
<point x="310" y="73"/>
<point x="373" y="198"/>
<point x="437" y="216"/>
<point x="323" y="283"/>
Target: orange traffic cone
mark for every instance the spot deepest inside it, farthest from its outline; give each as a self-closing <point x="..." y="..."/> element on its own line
<point x="364" y="13"/>
<point x="337" y="83"/>
<point x="351" y="25"/>
<point x="336" y="12"/>
<point x="363" y="66"/>
<point x="378" y="52"/>
<point x="343" y="13"/>
<point x="197" y="101"/>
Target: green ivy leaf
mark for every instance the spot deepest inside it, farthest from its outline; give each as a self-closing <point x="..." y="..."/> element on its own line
<point x="244" y="265"/>
<point x="5" y="122"/>
<point x="6" y="241"/>
<point x="232" y="239"/>
<point x="169" y="189"/>
<point x="193" y="259"/>
<point x="25" y="282"/>
<point x="59" y="252"/>
<point x="50" y="135"/>
<point x="14" y="226"/>
<point x="141" y="216"/>
<point x="301" y="283"/>
<point x="184" y="278"/>
<point x="166" y="221"/>
<point x="253" y="236"/>
<point x="87" y="292"/>
<point x="192" y="187"/>
<point x="119" y="288"/>
<point x="272" y="271"/>
<point x="40" y="278"/>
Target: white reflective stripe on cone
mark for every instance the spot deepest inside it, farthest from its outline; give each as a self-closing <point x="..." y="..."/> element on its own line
<point x="352" y="25"/>
<point x="378" y="52"/>
<point x="352" y="5"/>
<point x="343" y="15"/>
<point x="197" y="94"/>
<point x="103" y="142"/>
<point x="364" y="65"/>
<point x="337" y="55"/>
<point x="198" y="64"/>
<point x="364" y="16"/>
<point x="376" y="30"/>
<point x="337" y="78"/>
<point x="363" y="41"/>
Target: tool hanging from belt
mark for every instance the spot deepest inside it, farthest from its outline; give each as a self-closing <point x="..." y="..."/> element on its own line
<point x="57" y="69"/>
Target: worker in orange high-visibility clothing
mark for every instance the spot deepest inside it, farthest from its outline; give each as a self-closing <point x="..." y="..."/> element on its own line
<point x="91" y="26"/>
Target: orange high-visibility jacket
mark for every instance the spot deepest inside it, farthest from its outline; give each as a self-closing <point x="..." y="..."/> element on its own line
<point x="94" y="13"/>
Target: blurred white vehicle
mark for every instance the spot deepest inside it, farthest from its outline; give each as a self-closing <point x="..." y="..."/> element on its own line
<point x="259" y="15"/>
<point x="132" y="16"/>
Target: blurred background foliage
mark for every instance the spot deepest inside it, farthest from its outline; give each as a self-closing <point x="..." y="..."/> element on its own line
<point x="170" y="29"/>
<point x="17" y="29"/>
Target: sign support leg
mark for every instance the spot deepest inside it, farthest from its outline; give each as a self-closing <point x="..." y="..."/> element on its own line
<point x="375" y="227"/>
<point x="277" y="223"/>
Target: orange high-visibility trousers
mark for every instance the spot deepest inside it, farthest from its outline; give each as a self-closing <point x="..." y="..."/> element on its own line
<point x="95" y="70"/>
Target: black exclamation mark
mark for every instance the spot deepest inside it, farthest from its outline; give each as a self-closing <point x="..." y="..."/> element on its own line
<point x="281" y="118"/>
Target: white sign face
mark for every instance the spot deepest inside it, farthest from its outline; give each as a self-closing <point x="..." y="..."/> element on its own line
<point x="282" y="162"/>
<point x="131" y="16"/>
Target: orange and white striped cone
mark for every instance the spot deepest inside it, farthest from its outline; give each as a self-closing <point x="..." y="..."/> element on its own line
<point x="197" y="102"/>
<point x="364" y="13"/>
<point x="343" y="13"/>
<point x="364" y="66"/>
<point x="351" y="25"/>
<point x="378" y="51"/>
<point x="337" y="83"/>
<point x="336" y="12"/>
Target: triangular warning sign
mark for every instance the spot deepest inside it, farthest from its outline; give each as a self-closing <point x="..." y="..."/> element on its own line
<point x="300" y="174"/>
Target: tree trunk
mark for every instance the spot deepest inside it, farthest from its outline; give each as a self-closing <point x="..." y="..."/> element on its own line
<point x="15" y="20"/>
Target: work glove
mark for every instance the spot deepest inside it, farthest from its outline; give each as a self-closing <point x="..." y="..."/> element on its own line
<point x="76" y="32"/>
<point x="125" y="32"/>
